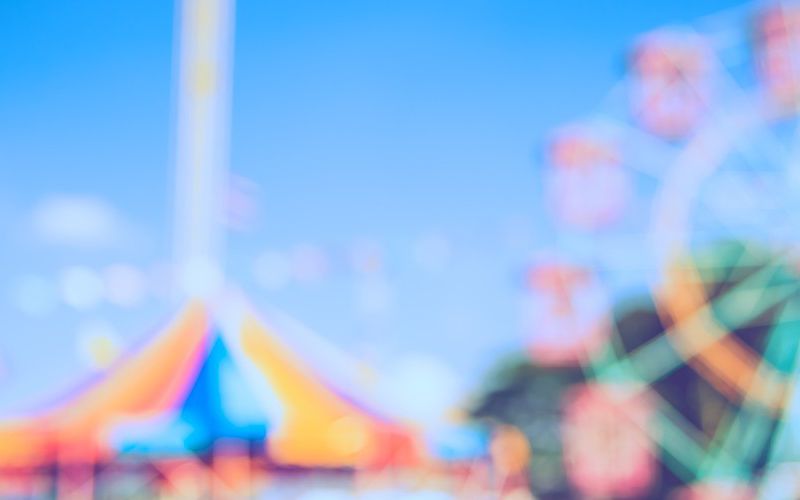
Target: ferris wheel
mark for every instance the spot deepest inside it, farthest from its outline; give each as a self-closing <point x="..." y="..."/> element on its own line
<point x="684" y="183"/>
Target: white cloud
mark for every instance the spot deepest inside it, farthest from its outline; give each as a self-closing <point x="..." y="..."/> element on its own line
<point x="77" y="221"/>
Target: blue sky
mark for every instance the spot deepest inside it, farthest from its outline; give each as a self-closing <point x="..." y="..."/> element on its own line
<point x="394" y="122"/>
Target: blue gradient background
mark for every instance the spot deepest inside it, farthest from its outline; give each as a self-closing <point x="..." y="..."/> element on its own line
<point x="359" y="120"/>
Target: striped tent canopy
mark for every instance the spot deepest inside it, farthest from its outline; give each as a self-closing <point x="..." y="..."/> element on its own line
<point x="212" y="376"/>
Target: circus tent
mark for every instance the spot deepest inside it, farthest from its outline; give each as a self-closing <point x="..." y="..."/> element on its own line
<point x="214" y="375"/>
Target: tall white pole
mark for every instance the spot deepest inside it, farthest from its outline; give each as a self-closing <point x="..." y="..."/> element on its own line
<point x="202" y="143"/>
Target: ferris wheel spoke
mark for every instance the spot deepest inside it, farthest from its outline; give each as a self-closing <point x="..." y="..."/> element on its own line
<point x="683" y="443"/>
<point x="744" y="435"/>
<point x="657" y="358"/>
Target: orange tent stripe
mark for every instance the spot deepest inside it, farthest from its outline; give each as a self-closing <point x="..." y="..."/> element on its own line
<point x="150" y="382"/>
